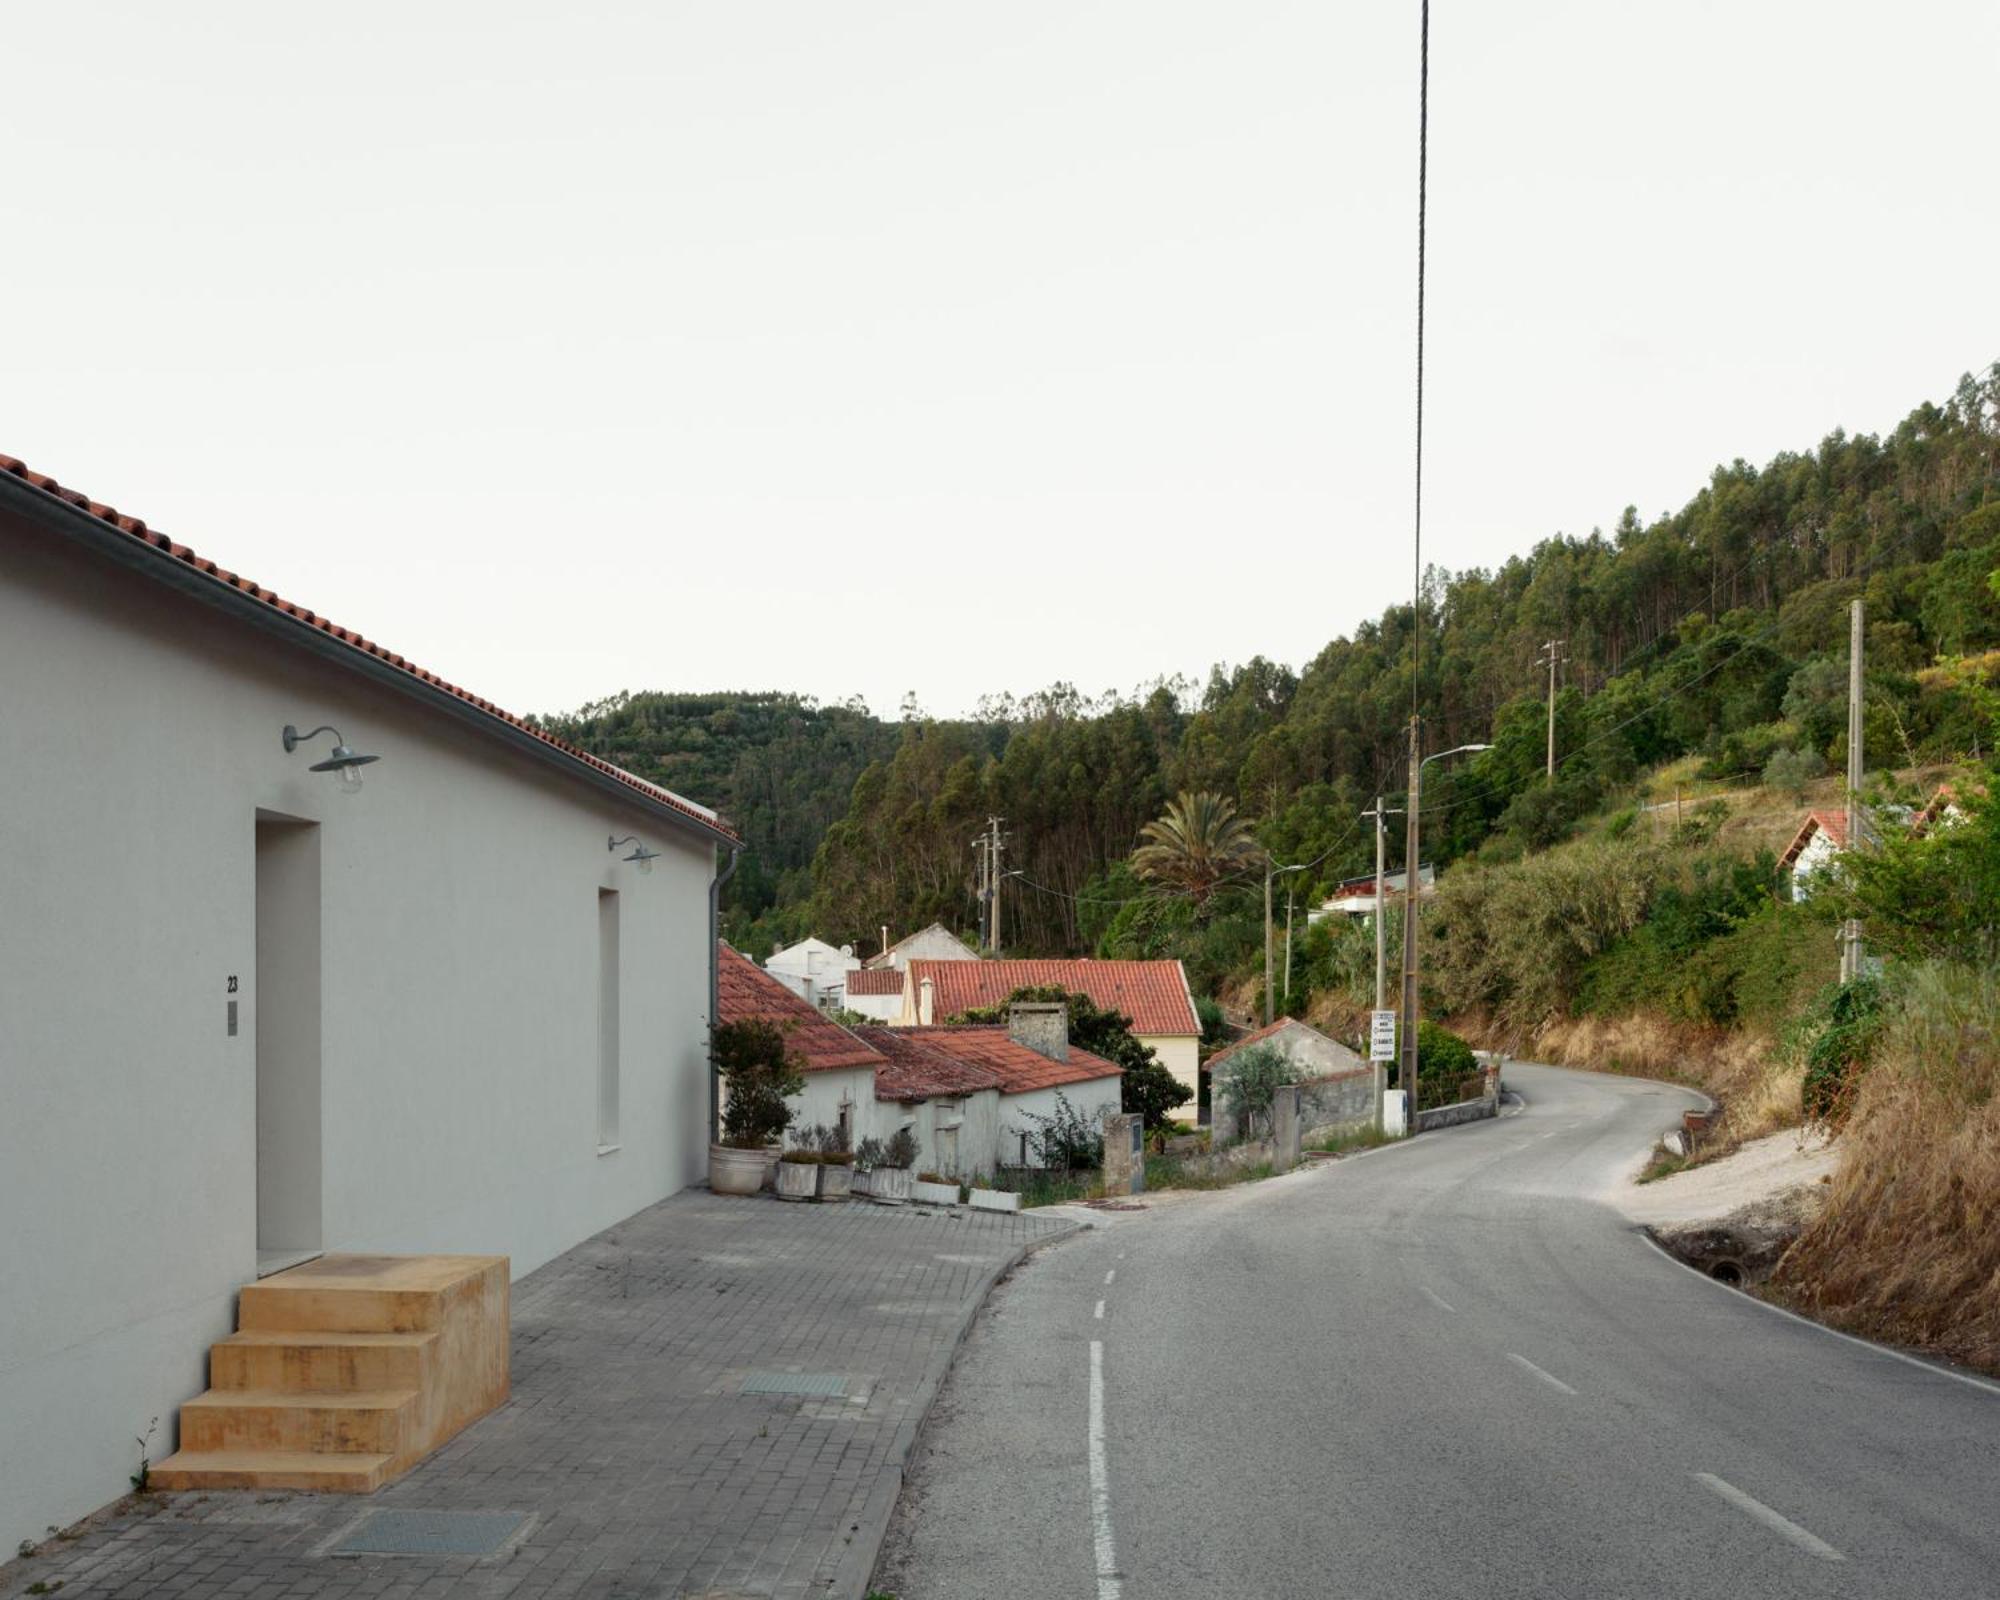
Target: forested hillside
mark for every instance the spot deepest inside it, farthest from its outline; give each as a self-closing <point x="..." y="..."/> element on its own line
<point x="1718" y="632"/>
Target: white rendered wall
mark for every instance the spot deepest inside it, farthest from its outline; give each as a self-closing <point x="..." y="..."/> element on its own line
<point x="1092" y="1100"/>
<point x="1180" y="1054"/>
<point x="139" y="739"/>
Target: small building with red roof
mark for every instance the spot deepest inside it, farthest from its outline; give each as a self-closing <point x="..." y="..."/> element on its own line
<point x="1154" y="994"/>
<point x="1821" y="837"/>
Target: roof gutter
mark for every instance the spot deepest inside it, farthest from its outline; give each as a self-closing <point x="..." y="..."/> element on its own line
<point x="101" y="538"/>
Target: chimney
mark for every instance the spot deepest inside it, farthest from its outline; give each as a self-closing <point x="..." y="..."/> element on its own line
<point x="1041" y="1025"/>
<point x="885" y="938"/>
<point x="926" y="1003"/>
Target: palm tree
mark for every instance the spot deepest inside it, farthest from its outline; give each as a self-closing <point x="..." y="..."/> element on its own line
<point x="1197" y="846"/>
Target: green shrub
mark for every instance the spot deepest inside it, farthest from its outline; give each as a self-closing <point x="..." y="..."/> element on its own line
<point x="1442" y="1054"/>
<point x="1835" y="1037"/>
<point x="1249" y="1081"/>
<point x="760" y="1072"/>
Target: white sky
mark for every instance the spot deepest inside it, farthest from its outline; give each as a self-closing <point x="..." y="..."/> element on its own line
<point x="861" y="347"/>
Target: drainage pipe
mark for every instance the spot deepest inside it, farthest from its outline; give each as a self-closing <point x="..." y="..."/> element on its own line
<point x="715" y="989"/>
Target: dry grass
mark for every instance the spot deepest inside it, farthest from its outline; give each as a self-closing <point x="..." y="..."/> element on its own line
<point x="1907" y="1248"/>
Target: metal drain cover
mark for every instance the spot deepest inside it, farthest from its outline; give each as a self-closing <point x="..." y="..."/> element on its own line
<point x="817" y="1385"/>
<point x="430" y="1533"/>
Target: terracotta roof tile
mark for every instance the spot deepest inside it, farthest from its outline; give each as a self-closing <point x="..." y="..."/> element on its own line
<point x="170" y="551"/>
<point x="1154" y="994"/>
<point x="1831" y="823"/>
<point x="960" y="1059"/>
<point x="863" y="980"/>
<point x="746" y="990"/>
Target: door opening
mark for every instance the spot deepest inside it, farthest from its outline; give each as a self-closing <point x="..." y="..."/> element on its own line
<point x="285" y="998"/>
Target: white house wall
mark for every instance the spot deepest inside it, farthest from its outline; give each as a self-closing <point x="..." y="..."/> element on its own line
<point x="1180" y="1054"/>
<point x="459" y="996"/>
<point x="1092" y="1099"/>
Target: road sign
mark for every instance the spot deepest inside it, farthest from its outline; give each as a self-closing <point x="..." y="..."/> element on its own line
<point x="1381" y="1036"/>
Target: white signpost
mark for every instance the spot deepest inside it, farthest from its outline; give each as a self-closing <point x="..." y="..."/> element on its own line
<point x="1381" y="1036"/>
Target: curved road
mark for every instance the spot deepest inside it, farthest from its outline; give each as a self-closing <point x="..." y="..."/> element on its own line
<point x="1441" y="1369"/>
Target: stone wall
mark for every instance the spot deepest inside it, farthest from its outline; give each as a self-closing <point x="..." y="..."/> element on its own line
<point x="1487" y="1105"/>
<point x="1338" y="1101"/>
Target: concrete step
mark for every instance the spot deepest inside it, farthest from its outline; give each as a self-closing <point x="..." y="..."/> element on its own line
<point x="368" y="1294"/>
<point x="270" y="1469"/>
<point x="364" y="1422"/>
<point x="321" y="1363"/>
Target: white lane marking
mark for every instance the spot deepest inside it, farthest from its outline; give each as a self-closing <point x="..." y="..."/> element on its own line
<point x="1099" y="1313"/>
<point x="1111" y="1274"/>
<point x="1432" y="1295"/>
<point x="1552" y="1381"/>
<point x="1100" y="1482"/>
<point x="1809" y="1542"/>
<point x="1872" y="1348"/>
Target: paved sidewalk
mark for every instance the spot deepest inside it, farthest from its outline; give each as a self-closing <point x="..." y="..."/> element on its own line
<point x="647" y="1474"/>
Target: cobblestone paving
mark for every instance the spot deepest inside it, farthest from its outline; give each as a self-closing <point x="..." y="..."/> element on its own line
<point x="646" y="1473"/>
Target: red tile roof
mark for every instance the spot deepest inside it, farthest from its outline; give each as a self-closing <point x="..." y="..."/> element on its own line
<point x="167" y="550"/>
<point x="919" y="1069"/>
<point x="1154" y="994"/>
<point x="746" y="990"/>
<point x="957" y="1060"/>
<point x="864" y="980"/>
<point x="1831" y="823"/>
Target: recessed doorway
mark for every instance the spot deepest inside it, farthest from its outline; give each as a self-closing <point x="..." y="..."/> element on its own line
<point x="285" y="1000"/>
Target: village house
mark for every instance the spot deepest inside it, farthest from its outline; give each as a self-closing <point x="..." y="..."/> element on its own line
<point x="1355" y="897"/>
<point x="302" y="949"/>
<point x="1337" y="1087"/>
<point x="935" y="943"/>
<point x="968" y="1094"/>
<point x="1821" y="837"/>
<point x="874" y="992"/>
<point x="814" y="970"/>
<point x="1154" y="994"/>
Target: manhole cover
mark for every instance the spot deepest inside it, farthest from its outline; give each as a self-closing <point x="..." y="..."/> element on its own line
<point x="819" y="1385"/>
<point x="430" y="1533"/>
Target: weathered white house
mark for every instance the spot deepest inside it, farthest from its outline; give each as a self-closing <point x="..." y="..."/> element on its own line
<point x="248" y="1014"/>
<point x="814" y="970"/>
<point x="1154" y="994"/>
<point x="1355" y="897"/>
<point x="875" y="992"/>
<point x="1821" y="837"/>
<point x="934" y="943"/>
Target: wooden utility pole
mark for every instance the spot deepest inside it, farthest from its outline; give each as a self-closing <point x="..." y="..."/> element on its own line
<point x="1407" y="1062"/>
<point x="1850" y="943"/>
<point x="1381" y="938"/>
<point x="1554" y="650"/>
<point x="1288" y="943"/>
<point x="1267" y="943"/>
<point x="996" y="844"/>
<point x="979" y="864"/>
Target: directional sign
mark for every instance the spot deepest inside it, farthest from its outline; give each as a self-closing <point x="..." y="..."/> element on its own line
<point x="1381" y="1036"/>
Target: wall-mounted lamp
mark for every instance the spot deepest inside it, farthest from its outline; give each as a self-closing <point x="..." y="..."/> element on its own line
<point x="343" y="760"/>
<point x="640" y="857"/>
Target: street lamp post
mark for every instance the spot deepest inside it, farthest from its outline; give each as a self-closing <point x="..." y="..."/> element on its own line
<point x="1271" y="872"/>
<point x="1407" y="1066"/>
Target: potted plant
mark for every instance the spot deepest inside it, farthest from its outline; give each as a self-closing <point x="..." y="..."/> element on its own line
<point x="836" y="1164"/>
<point x="890" y="1182"/>
<point x="798" y="1175"/>
<point x="758" y="1072"/>
<point x="868" y="1156"/>
<point x="934" y="1189"/>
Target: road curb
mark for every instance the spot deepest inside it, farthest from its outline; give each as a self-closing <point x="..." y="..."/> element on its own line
<point x="864" y="1542"/>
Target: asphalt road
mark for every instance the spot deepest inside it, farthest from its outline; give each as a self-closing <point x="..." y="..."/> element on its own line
<point x="1442" y="1369"/>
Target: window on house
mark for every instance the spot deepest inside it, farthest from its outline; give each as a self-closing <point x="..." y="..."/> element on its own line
<point x="607" y="1020"/>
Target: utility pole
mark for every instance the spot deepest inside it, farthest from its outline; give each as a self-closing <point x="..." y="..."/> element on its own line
<point x="1379" y="813"/>
<point x="981" y="861"/>
<point x="1850" y="943"/>
<point x="1267" y="944"/>
<point x="998" y="845"/>
<point x="1554" y="650"/>
<point x="1406" y="1066"/>
<point x="1288" y="944"/>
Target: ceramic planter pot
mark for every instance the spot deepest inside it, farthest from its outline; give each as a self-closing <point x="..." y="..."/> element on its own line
<point x="995" y="1200"/>
<point x="863" y="1182"/>
<point x="836" y="1180"/>
<point x="798" y="1180"/>
<point x="890" y="1186"/>
<point x="735" y="1171"/>
<point x="771" y="1155"/>
<point x="934" y="1194"/>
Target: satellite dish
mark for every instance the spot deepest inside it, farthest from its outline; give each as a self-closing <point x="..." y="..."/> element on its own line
<point x="847" y="950"/>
